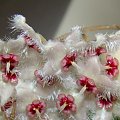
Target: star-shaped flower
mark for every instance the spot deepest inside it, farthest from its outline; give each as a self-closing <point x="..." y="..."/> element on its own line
<point x="68" y="59"/>
<point x="66" y="104"/>
<point x="36" y="108"/>
<point x="112" y="64"/>
<point x="88" y="83"/>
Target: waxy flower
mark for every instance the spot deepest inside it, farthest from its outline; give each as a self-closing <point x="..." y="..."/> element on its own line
<point x="45" y="79"/>
<point x="104" y="101"/>
<point x="36" y="108"/>
<point x="8" y="62"/>
<point x="68" y="59"/>
<point x="66" y="104"/>
<point x="111" y="66"/>
<point x="88" y="83"/>
<point x="10" y="77"/>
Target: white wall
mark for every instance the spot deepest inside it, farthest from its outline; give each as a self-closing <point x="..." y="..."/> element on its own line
<point x="90" y="12"/>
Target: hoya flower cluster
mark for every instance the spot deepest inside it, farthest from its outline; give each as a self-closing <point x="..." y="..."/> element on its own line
<point x="59" y="80"/>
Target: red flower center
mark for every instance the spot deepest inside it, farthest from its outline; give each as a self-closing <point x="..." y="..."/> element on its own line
<point x="8" y="63"/>
<point x="66" y="101"/>
<point x="90" y="85"/>
<point x="100" y="50"/>
<point x="8" y="58"/>
<point x="66" y="104"/>
<point x="37" y="107"/>
<point x="113" y="64"/>
<point x="68" y="59"/>
<point x="105" y="101"/>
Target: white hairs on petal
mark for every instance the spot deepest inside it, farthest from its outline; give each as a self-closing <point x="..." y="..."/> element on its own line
<point x="116" y="109"/>
<point x="54" y="55"/>
<point x="110" y="42"/>
<point x="25" y="95"/>
<point x="48" y="66"/>
<point x="6" y="91"/>
<point x="18" y="22"/>
<point x="52" y="97"/>
<point x="74" y="38"/>
<point x="69" y="83"/>
<point x="112" y="45"/>
<point x="92" y="70"/>
<point x="108" y="86"/>
<point x="103" y="115"/>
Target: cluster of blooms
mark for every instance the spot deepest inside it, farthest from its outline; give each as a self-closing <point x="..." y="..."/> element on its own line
<point x="80" y="70"/>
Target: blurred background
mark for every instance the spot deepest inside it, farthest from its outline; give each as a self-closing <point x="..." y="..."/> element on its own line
<point x="54" y="17"/>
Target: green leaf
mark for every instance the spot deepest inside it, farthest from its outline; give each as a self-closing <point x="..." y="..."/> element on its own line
<point x="90" y="114"/>
<point x="116" y="117"/>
